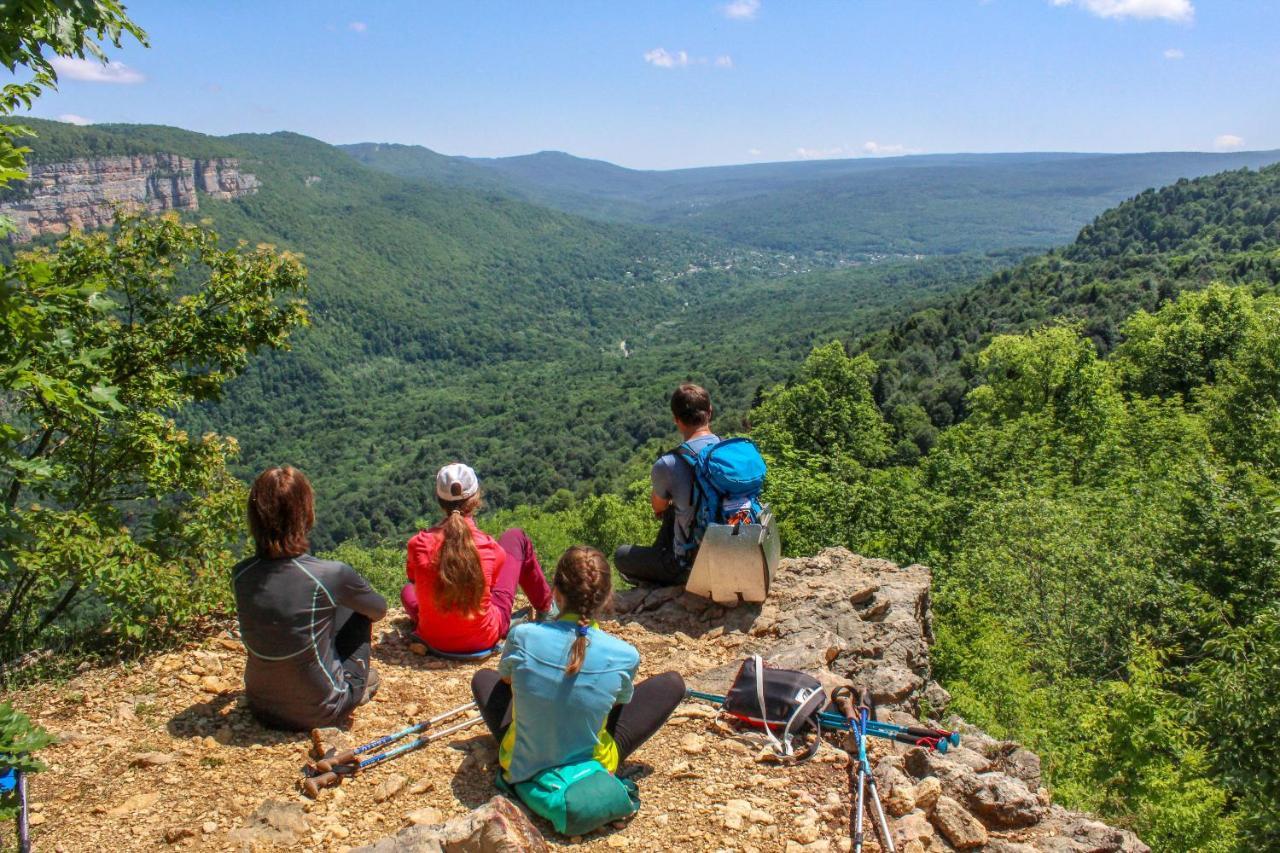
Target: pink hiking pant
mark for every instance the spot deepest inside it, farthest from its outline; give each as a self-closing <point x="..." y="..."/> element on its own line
<point x="521" y="568"/>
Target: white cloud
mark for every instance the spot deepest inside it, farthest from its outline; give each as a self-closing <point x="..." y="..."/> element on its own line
<point x="879" y="149"/>
<point x="1180" y="11"/>
<point x="662" y="58"/>
<point x="92" y="71"/>
<point x="871" y="148"/>
<point x="358" y="26"/>
<point x="724" y="61"/>
<point x="754" y="152"/>
<point x="821" y="153"/>
<point x="1174" y="54"/>
<point x="741" y="10"/>
<point x="1227" y="142"/>
<point x="72" y="118"/>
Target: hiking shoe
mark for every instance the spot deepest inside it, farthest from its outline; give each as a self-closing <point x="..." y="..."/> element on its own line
<point x="371" y="685"/>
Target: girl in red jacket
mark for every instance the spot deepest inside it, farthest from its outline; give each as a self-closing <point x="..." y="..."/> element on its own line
<point x="462" y="581"/>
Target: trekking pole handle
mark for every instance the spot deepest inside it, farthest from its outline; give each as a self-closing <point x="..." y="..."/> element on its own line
<point x="927" y="742"/>
<point x="312" y="784"/>
<point x="844" y="701"/>
<point x="935" y="734"/>
<point x="333" y="762"/>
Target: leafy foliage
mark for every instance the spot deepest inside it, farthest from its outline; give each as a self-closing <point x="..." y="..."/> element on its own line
<point x="30" y="30"/>
<point x="1093" y="517"/>
<point x="1137" y="256"/>
<point x="111" y="511"/>
<point x="20" y="739"/>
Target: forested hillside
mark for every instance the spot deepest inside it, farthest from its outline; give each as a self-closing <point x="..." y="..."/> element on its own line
<point x="923" y="204"/>
<point x="1220" y="228"/>
<point x="448" y="323"/>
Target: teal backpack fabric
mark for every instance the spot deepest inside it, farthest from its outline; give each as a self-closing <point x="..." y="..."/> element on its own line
<point x="727" y="480"/>
<point x="576" y="798"/>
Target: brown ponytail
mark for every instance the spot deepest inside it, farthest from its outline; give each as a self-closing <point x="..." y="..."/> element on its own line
<point x="459" y="584"/>
<point x="583" y="578"/>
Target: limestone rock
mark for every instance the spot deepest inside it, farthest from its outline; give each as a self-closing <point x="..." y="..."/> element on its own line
<point x="1097" y="836"/>
<point x="1019" y="763"/>
<point x="926" y="793"/>
<point x="85" y="193"/>
<point x="136" y="803"/>
<point x="912" y="828"/>
<point x="693" y="744"/>
<point x="963" y="830"/>
<point x="426" y="816"/>
<point x="1003" y="802"/>
<point x="388" y="787"/>
<point x="496" y="827"/>
<point x="273" y="822"/>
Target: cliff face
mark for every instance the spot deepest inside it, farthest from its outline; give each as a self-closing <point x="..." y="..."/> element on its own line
<point x="84" y="194"/>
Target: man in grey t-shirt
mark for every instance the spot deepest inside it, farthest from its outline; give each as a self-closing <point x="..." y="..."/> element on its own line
<point x="669" y="559"/>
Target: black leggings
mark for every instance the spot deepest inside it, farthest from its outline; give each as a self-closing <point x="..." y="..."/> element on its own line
<point x="353" y="644"/>
<point x="630" y="725"/>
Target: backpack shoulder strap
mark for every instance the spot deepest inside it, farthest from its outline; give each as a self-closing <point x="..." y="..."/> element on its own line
<point x="687" y="453"/>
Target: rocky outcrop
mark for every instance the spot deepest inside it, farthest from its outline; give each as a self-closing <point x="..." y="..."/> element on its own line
<point x="142" y="746"/>
<point x="85" y="194"/>
<point x="847" y="619"/>
<point x="496" y="827"/>
<point x="852" y="620"/>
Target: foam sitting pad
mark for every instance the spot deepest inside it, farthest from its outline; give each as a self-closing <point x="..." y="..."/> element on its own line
<point x="480" y="655"/>
<point x="736" y="562"/>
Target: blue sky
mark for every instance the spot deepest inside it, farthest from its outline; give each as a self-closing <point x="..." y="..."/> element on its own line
<point x="671" y="84"/>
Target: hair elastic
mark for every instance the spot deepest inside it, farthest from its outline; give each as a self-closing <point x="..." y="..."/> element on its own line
<point x="583" y="629"/>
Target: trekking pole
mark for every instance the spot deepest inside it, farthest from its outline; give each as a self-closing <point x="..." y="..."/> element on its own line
<point x="941" y="735"/>
<point x="858" y="719"/>
<point x="349" y="756"/>
<point x="312" y="784"/>
<point x="936" y="739"/>
<point x="23" y="824"/>
<point x="927" y="738"/>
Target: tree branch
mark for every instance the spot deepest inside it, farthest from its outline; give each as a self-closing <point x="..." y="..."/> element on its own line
<point x="57" y="610"/>
<point x="15" y="486"/>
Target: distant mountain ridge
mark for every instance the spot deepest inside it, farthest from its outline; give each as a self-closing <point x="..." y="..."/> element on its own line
<point x="928" y="204"/>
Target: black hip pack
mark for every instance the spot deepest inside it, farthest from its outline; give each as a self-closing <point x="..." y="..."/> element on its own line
<point x="782" y="702"/>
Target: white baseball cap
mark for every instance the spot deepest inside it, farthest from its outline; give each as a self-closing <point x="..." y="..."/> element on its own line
<point x="456" y="482"/>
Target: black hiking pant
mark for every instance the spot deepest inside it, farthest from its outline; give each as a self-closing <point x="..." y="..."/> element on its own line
<point x="629" y="725"/>
<point x="656" y="563"/>
<point x="353" y="644"/>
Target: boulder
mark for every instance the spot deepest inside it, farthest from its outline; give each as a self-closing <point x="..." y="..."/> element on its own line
<point x="1002" y="801"/>
<point x="273" y="822"/>
<point x="963" y="830"/>
<point x="1097" y="837"/>
<point x="910" y="829"/>
<point x="498" y="826"/>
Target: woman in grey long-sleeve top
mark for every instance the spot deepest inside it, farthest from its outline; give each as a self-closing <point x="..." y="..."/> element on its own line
<point x="307" y="624"/>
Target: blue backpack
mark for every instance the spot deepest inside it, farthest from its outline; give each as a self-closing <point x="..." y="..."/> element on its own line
<point x="727" y="480"/>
